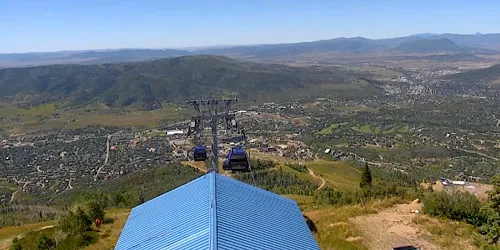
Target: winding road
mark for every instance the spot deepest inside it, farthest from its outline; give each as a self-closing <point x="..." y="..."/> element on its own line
<point x="12" y="197"/>
<point x="323" y="182"/>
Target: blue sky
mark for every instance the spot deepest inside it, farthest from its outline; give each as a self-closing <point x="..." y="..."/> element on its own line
<point x="53" y="25"/>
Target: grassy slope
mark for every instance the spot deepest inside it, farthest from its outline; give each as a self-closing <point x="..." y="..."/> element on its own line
<point x="10" y="232"/>
<point x="334" y="229"/>
<point x="338" y="175"/>
<point x="450" y="234"/>
<point x="375" y="129"/>
<point x="328" y="130"/>
<point x="109" y="233"/>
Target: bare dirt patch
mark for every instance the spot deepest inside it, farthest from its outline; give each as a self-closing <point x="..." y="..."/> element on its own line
<point x="354" y="238"/>
<point x="312" y="105"/>
<point x="299" y="121"/>
<point x="336" y="224"/>
<point x="196" y="164"/>
<point x="393" y="227"/>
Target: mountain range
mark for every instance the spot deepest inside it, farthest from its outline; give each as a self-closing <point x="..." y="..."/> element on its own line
<point x="420" y="44"/>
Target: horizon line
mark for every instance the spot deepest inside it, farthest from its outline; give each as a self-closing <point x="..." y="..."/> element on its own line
<point x="198" y="47"/>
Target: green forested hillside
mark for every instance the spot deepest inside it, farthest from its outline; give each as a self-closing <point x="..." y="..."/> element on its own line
<point x="170" y="80"/>
<point x="488" y="75"/>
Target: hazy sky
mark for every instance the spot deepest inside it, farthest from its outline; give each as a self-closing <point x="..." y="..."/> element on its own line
<point x="53" y="25"/>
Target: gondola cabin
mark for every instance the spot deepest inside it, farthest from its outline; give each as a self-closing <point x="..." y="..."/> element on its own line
<point x="225" y="165"/>
<point x="238" y="159"/>
<point x="200" y="153"/>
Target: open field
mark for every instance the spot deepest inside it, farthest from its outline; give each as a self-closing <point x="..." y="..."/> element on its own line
<point x="328" y="130"/>
<point x="338" y="175"/>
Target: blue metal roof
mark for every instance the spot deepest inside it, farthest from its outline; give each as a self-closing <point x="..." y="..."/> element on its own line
<point x="178" y="219"/>
<point x="217" y="212"/>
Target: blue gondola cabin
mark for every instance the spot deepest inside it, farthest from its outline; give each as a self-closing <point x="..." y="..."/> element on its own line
<point x="200" y="153"/>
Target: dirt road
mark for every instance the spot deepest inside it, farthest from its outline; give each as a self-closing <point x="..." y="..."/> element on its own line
<point x="323" y="182"/>
<point x="393" y="227"/>
<point x="12" y="197"/>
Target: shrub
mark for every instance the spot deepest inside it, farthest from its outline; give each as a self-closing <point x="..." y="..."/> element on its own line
<point x="44" y="243"/>
<point x="108" y="221"/>
<point x="455" y="205"/>
<point x="330" y="196"/>
<point x="16" y="244"/>
<point x="75" y="223"/>
<point x="94" y="210"/>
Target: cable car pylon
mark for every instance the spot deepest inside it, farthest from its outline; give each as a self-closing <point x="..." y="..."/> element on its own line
<point x="209" y="111"/>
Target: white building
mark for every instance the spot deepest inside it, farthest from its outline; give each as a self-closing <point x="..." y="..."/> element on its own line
<point x="175" y="132"/>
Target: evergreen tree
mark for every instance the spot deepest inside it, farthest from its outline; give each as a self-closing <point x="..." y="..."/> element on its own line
<point x="366" y="177"/>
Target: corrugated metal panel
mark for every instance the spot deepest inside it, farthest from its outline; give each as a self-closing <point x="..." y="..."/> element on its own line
<point x="246" y="218"/>
<point x="252" y="218"/>
<point x="178" y="219"/>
